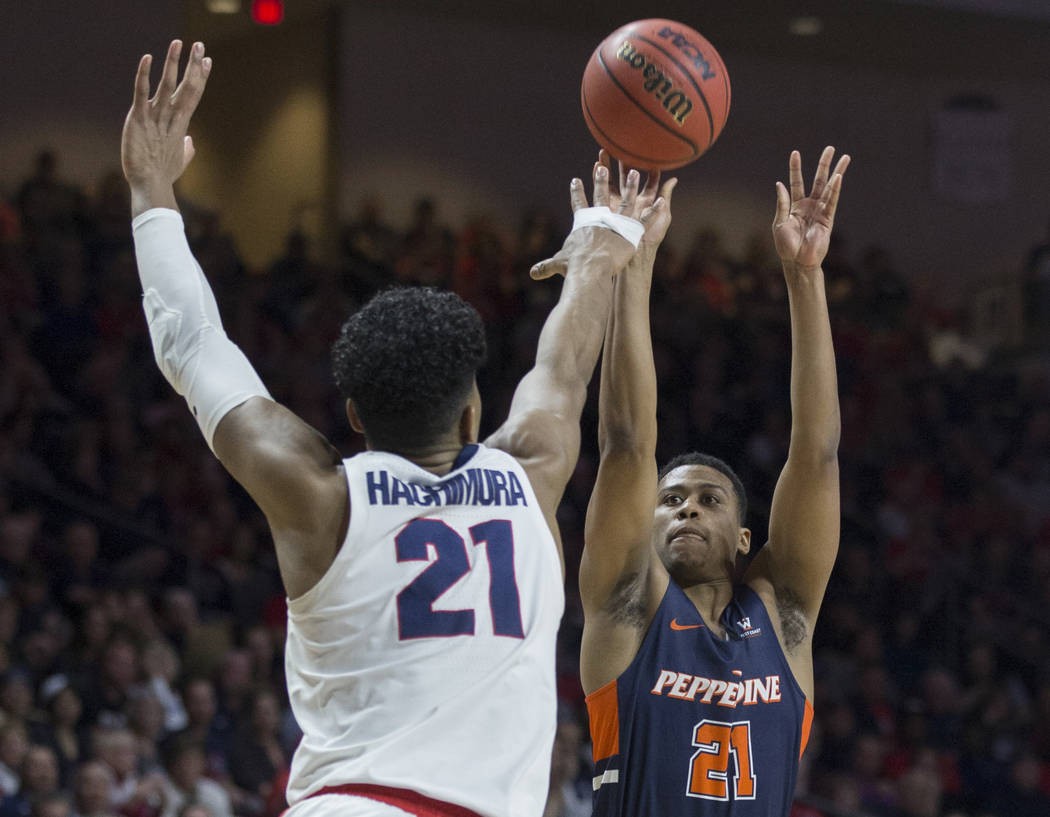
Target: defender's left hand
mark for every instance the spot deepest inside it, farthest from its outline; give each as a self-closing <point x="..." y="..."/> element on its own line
<point x="154" y="147"/>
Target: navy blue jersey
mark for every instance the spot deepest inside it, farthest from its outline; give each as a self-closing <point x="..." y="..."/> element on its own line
<point x="698" y="726"/>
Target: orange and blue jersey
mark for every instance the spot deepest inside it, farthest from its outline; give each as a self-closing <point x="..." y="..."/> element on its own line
<point x="698" y="726"/>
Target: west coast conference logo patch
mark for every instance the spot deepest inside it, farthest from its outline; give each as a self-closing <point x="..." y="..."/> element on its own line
<point x="745" y="630"/>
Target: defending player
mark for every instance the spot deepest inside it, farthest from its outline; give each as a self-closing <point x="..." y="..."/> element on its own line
<point x="699" y="684"/>
<point x="424" y="575"/>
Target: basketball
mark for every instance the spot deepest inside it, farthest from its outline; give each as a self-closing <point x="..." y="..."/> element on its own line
<point x="655" y="94"/>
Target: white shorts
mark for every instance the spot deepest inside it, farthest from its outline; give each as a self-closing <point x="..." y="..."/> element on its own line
<point x="343" y="805"/>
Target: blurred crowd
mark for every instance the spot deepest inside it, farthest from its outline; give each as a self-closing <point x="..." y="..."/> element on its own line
<point x="141" y="614"/>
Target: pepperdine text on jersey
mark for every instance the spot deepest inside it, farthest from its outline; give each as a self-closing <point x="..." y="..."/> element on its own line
<point x="748" y="692"/>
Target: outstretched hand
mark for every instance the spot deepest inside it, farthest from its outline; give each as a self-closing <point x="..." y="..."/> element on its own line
<point x="154" y="148"/>
<point x="646" y="206"/>
<point x="656" y="229"/>
<point x="802" y="224"/>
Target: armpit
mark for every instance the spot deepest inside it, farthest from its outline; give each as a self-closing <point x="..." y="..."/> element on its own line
<point x="794" y="628"/>
<point x="626" y="603"/>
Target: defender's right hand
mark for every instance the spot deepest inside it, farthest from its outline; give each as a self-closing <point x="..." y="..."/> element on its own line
<point x="597" y="240"/>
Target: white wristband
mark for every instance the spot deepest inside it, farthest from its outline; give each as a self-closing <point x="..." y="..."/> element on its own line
<point x="630" y="228"/>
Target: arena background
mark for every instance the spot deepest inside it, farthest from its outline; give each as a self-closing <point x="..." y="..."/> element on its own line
<point x="342" y="99"/>
<point x="121" y="539"/>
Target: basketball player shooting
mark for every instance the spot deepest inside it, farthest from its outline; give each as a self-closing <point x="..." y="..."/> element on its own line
<point x="698" y="682"/>
<point x="424" y="575"/>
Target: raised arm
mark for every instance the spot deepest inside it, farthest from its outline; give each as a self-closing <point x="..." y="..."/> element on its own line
<point x="543" y="426"/>
<point x="291" y="472"/>
<point x="615" y="571"/>
<point x="620" y="511"/>
<point x="804" y="518"/>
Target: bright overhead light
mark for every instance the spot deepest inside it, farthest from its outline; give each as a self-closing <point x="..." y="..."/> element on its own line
<point x="806" y="26"/>
<point x="223" y="6"/>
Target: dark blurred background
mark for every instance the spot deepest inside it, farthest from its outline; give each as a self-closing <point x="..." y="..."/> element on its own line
<point x="357" y="145"/>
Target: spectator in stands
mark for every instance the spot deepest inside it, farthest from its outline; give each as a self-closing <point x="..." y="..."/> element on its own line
<point x="566" y="798"/>
<point x="234" y="685"/>
<point x="205" y="725"/>
<point x="58" y="804"/>
<point x="146" y="723"/>
<point x="368" y="246"/>
<point x="39" y="779"/>
<point x="1036" y="293"/>
<point x="135" y="792"/>
<point x="50" y="209"/>
<point x="78" y="574"/>
<point x="1025" y="797"/>
<point x="161" y="666"/>
<point x="185" y="781"/>
<point x="105" y="692"/>
<point x="202" y="645"/>
<point x="62" y="730"/>
<point x="14" y="743"/>
<point x="256" y="756"/>
<point x="93" y="790"/>
<point x="16" y="698"/>
<point x="918" y="794"/>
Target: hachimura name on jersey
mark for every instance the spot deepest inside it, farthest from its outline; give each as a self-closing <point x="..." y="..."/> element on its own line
<point x="469" y="486"/>
<point x="697" y="726"/>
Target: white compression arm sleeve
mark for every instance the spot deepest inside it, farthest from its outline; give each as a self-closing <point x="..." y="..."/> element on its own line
<point x="189" y="343"/>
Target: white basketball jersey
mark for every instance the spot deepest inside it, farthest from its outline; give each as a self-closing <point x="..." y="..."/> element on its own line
<point x="424" y="658"/>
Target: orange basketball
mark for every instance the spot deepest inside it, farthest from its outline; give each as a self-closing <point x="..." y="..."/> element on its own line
<point x="655" y="94"/>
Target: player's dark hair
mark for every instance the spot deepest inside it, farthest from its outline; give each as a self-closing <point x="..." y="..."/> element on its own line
<point x="408" y="359"/>
<point x="696" y="458"/>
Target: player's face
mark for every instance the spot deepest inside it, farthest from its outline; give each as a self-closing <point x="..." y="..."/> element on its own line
<point x="696" y="531"/>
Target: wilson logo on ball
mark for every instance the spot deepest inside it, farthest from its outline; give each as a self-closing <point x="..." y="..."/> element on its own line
<point x="656" y="82"/>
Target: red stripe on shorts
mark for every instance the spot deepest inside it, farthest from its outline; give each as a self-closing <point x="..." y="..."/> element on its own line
<point x="411" y="801"/>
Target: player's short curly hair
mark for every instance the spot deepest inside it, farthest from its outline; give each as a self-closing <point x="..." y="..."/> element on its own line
<point x="408" y="359"/>
<point x="696" y="458"/>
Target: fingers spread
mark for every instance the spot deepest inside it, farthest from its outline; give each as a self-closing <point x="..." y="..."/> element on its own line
<point x="795" y="176"/>
<point x="649" y="214"/>
<point x="823" y="169"/>
<point x="783" y="204"/>
<point x="577" y="196"/>
<point x="831" y="196"/>
<point x="188" y="95"/>
<point x="629" y="193"/>
<point x="624" y="172"/>
<point x="842" y="164"/>
<point x="601" y="186"/>
<point x="170" y="73"/>
<point x="188" y="151"/>
<point x="141" y="96"/>
<point x="652" y="184"/>
<point x="668" y="186"/>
